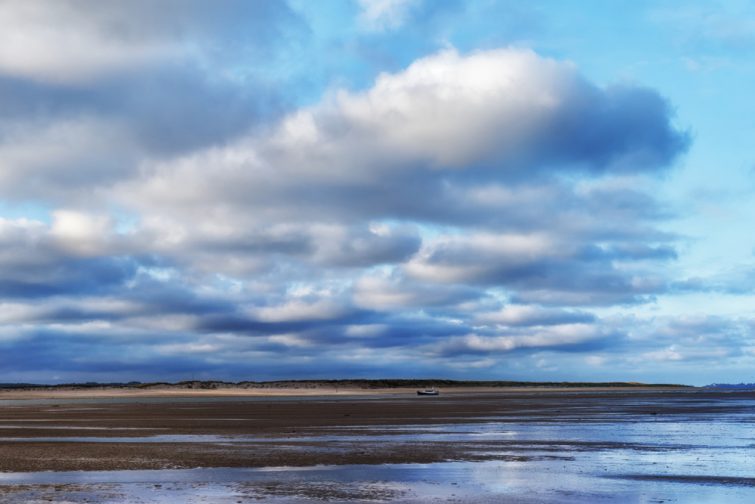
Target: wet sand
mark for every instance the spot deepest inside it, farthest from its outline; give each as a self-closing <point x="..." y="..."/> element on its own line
<point x="382" y="447"/>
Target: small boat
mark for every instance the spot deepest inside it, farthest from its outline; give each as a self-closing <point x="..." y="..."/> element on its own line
<point x="430" y="391"/>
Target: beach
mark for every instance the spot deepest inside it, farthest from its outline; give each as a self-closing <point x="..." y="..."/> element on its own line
<point x="380" y="445"/>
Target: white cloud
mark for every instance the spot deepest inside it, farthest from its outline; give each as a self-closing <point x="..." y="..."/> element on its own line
<point x="529" y="315"/>
<point x="452" y="110"/>
<point x="66" y="159"/>
<point x="555" y="336"/>
<point x="77" y="43"/>
<point x="81" y="233"/>
<point x="379" y="15"/>
<point x="378" y="291"/>
<point x="595" y="360"/>
<point x="670" y="353"/>
<point x="468" y="257"/>
<point x="298" y="310"/>
<point x="72" y="42"/>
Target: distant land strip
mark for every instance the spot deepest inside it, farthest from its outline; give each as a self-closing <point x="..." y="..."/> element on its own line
<point x="366" y="384"/>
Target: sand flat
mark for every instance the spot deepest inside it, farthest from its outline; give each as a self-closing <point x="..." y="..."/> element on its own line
<point x="306" y="448"/>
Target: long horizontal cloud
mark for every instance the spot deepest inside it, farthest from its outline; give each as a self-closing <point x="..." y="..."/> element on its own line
<point x="543" y="268"/>
<point x="73" y="42"/>
<point x="446" y="121"/>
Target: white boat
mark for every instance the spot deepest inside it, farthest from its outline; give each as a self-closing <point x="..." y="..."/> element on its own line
<point x="430" y="391"/>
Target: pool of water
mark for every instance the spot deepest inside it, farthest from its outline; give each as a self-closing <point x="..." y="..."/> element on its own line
<point x="542" y="482"/>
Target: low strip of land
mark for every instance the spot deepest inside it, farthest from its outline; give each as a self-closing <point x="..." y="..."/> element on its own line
<point x="302" y="388"/>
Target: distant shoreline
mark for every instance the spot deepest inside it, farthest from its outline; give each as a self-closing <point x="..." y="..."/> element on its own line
<point x="305" y="388"/>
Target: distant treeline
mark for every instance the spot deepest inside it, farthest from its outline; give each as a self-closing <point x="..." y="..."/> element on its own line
<point x="345" y="383"/>
<point x="70" y="385"/>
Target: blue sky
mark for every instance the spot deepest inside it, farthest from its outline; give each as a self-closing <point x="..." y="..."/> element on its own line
<point x="548" y="190"/>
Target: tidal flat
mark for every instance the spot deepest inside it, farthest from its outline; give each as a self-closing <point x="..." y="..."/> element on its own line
<point x="538" y="446"/>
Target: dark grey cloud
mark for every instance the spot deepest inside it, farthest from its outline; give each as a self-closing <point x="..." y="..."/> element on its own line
<point x="623" y="128"/>
<point x="175" y="108"/>
<point x="74" y="358"/>
<point x="361" y="248"/>
<point x="542" y="268"/>
<point x="180" y="109"/>
<point x="63" y="357"/>
<point x="33" y="265"/>
<point x="68" y="277"/>
<point x="239" y="324"/>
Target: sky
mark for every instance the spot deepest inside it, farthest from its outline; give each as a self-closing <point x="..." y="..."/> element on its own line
<point x="263" y="189"/>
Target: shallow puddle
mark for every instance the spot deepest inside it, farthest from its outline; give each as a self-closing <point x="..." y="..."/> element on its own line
<point x="542" y="482"/>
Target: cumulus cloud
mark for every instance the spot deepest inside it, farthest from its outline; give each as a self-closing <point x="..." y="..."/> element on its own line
<point x="447" y="119"/>
<point x="512" y="109"/>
